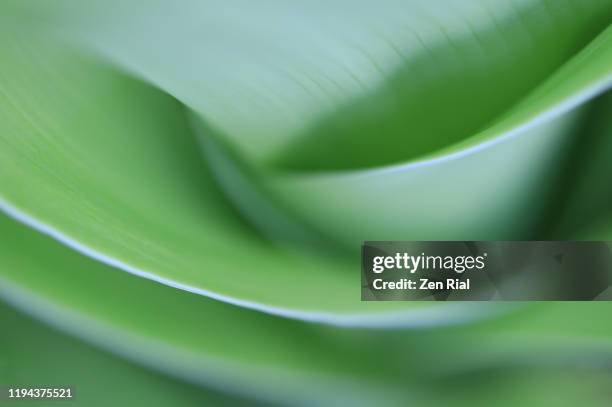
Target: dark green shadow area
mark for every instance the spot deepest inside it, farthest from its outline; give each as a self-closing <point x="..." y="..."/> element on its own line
<point x="584" y="190"/>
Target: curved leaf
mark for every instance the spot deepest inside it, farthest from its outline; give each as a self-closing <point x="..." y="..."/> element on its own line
<point x="113" y="172"/>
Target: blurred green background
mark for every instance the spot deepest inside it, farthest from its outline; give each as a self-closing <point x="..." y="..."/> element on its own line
<point x="185" y="187"/>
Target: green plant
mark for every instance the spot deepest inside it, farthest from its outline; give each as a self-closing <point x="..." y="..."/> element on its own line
<point x="239" y="152"/>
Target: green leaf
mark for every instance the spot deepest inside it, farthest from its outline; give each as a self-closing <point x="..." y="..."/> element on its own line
<point x="220" y="345"/>
<point x="586" y="190"/>
<point x="242" y="151"/>
<point x="475" y="190"/>
<point x="319" y="85"/>
<point x="190" y="336"/>
<point x="34" y="355"/>
<point x="109" y="167"/>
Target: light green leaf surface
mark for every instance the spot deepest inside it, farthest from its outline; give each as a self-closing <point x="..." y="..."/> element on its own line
<point x="190" y="336"/>
<point x="108" y="166"/>
<point x="34" y="354"/>
<point x="113" y="171"/>
<point x="449" y="196"/>
<point x="238" y="152"/>
<point x="205" y="341"/>
<point x="303" y="102"/>
<point x="334" y="80"/>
